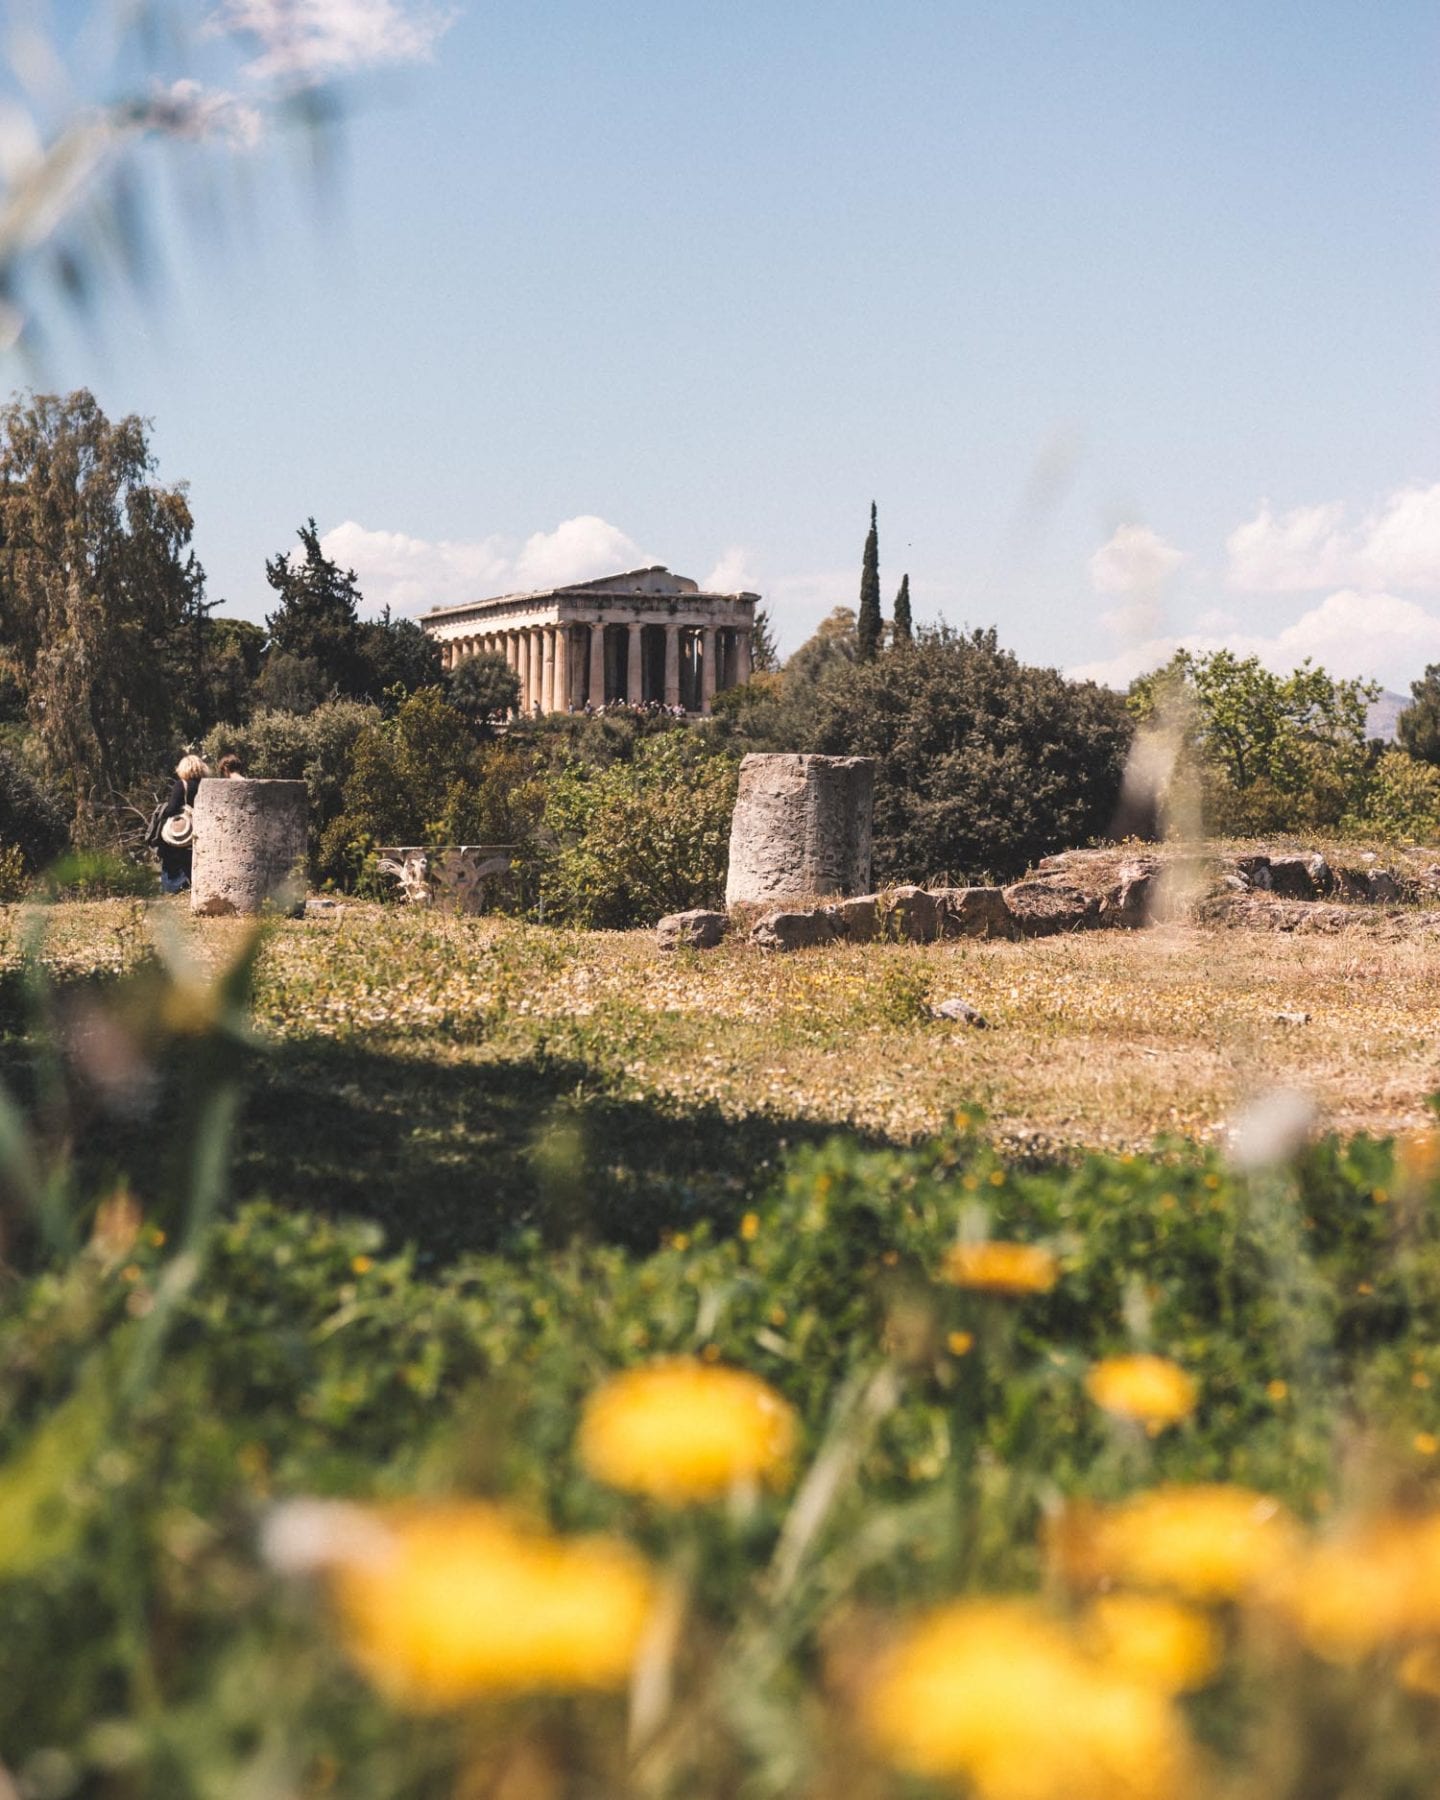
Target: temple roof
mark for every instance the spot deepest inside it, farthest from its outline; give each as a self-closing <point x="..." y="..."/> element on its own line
<point x="656" y="580"/>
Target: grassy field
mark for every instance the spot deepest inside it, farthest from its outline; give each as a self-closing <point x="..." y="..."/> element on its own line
<point x="476" y="1168"/>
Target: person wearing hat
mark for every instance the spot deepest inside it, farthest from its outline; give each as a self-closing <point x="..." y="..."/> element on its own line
<point x="176" y="843"/>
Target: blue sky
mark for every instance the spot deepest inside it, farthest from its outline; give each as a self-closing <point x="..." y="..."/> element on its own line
<point x="1125" y="314"/>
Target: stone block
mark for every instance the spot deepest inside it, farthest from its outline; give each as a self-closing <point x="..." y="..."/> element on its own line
<point x="694" y="930"/>
<point x="250" y="842"/>
<point x="796" y="930"/>
<point x="859" y="919"/>
<point x="909" y="915"/>
<point x="1127" y="906"/>
<point x="1301" y="877"/>
<point x="802" y="826"/>
<point x="1045" y="908"/>
<point x="975" y="912"/>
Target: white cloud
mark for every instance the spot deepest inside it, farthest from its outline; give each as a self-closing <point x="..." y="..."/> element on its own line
<point x="1401" y="546"/>
<point x="1136" y="561"/>
<point x="1396" y="545"/>
<point x="731" y="575"/>
<point x="1135" y="564"/>
<point x="1300" y="549"/>
<point x="411" y="574"/>
<point x="311" y="40"/>
<point x="1375" y="636"/>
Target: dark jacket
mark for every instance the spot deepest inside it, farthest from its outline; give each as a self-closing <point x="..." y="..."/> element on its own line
<point x="175" y="858"/>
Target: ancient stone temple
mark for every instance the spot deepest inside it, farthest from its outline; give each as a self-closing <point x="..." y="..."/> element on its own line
<point x="644" y="636"/>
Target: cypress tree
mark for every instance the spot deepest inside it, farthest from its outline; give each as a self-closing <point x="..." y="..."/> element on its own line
<point x="902" y="631"/>
<point x="868" y="621"/>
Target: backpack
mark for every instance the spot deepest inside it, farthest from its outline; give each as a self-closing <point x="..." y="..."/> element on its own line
<point x="152" y="830"/>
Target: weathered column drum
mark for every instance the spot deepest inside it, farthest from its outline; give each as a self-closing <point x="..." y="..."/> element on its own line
<point x="801" y="828"/>
<point x="249" y="847"/>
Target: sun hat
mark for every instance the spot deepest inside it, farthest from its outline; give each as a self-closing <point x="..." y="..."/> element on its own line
<point x="179" y="830"/>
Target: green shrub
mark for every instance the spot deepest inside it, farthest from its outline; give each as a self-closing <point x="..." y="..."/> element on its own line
<point x="1401" y="801"/>
<point x="635" y="840"/>
<point x="316" y="747"/>
<point x="32" y="819"/>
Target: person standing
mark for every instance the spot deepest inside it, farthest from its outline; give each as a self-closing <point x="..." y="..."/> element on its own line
<point x="176" y="840"/>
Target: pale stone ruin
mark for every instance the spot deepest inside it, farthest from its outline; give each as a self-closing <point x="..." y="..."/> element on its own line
<point x="250" y="841"/>
<point x="801" y="828"/>
<point x="642" y="637"/>
<point x="459" y="878"/>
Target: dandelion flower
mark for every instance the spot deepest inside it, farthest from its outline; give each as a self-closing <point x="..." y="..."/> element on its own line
<point x="996" y="1692"/>
<point x="445" y="1603"/>
<point x="999" y="1268"/>
<point x="684" y="1431"/>
<point x="1372" y="1585"/>
<point x="1206" y="1542"/>
<point x="1153" y="1639"/>
<point x="1148" y="1388"/>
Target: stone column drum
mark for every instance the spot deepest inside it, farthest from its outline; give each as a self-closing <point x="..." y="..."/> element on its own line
<point x="801" y="828"/>
<point x="249" y="847"/>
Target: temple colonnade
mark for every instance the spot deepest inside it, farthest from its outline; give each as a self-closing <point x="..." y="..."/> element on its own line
<point x="566" y="666"/>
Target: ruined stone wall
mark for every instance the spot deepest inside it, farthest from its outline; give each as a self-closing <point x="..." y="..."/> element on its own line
<point x="249" y="846"/>
<point x="802" y="826"/>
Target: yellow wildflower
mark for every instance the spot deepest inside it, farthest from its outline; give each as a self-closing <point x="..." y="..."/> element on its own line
<point x="683" y="1431"/>
<point x="445" y="1602"/>
<point x="1150" y="1638"/>
<point x="1372" y="1585"/>
<point x="361" y="1265"/>
<point x="1277" y="1390"/>
<point x="1207" y="1542"/>
<point x="960" y="1343"/>
<point x="998" y="1693"/>
<point x="1149" y="1388"/>
<point x="750" y="1227"/>
<point x="999" y="1268"/>
<point x="1426" y="1443"/>
<point x="1420" y="1670"/>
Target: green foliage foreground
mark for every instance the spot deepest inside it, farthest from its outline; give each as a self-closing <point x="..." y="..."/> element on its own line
<point x="166" y="1379"/>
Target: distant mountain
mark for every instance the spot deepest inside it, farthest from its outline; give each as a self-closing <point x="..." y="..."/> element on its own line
<point x="1381" y="718"/>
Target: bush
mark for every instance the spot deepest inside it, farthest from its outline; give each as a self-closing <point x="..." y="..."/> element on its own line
<point x="635" y="840"/>
<point x="316" y="747"/>
<point x="985" y="763"/>
<point x="32" y="819"/>
<point x="1402" y="799"/>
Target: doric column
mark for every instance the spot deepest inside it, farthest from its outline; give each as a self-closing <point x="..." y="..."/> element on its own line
<point x="672" y="665"/>
<point x="597" y="664"/>
<point x="709" y="649"/>
<point x="547" y="668"/>
<point x="634" y="668"/>
<point x="527" y="672"/>
<point x="743" y="667"/>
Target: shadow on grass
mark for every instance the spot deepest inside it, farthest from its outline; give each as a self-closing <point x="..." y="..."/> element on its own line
<point x="457" y="1158"/>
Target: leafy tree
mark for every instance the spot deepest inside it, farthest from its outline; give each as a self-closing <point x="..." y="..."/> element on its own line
<point x="1401" y="799"/>
<point x="985" y="763"/>
<point x="218" y="666"/>
<point x="32" y="820"/>
<point x="776" y="710"/>
<point x="398" y="654"/>
<point x="903" y="629"/>
<point x="482" y="685"/>
<point x="407" y="781"/>
<point x="318" y="620"/>
<point x="764" y="656"/>
<point x="868" y="623"/>
<point x="1419" y="724"/>
<point x="636" y="840"/>
<point x="1275" y="751"/>
<point x="291" y="684"/>
<point x="316" y="747"/>
<point x="98" y="590"/>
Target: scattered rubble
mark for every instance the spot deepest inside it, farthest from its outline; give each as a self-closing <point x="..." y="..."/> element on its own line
<point x="1110" y="889"/>
<point x="694" y="930"/>
<point x="961" y="1012"/>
